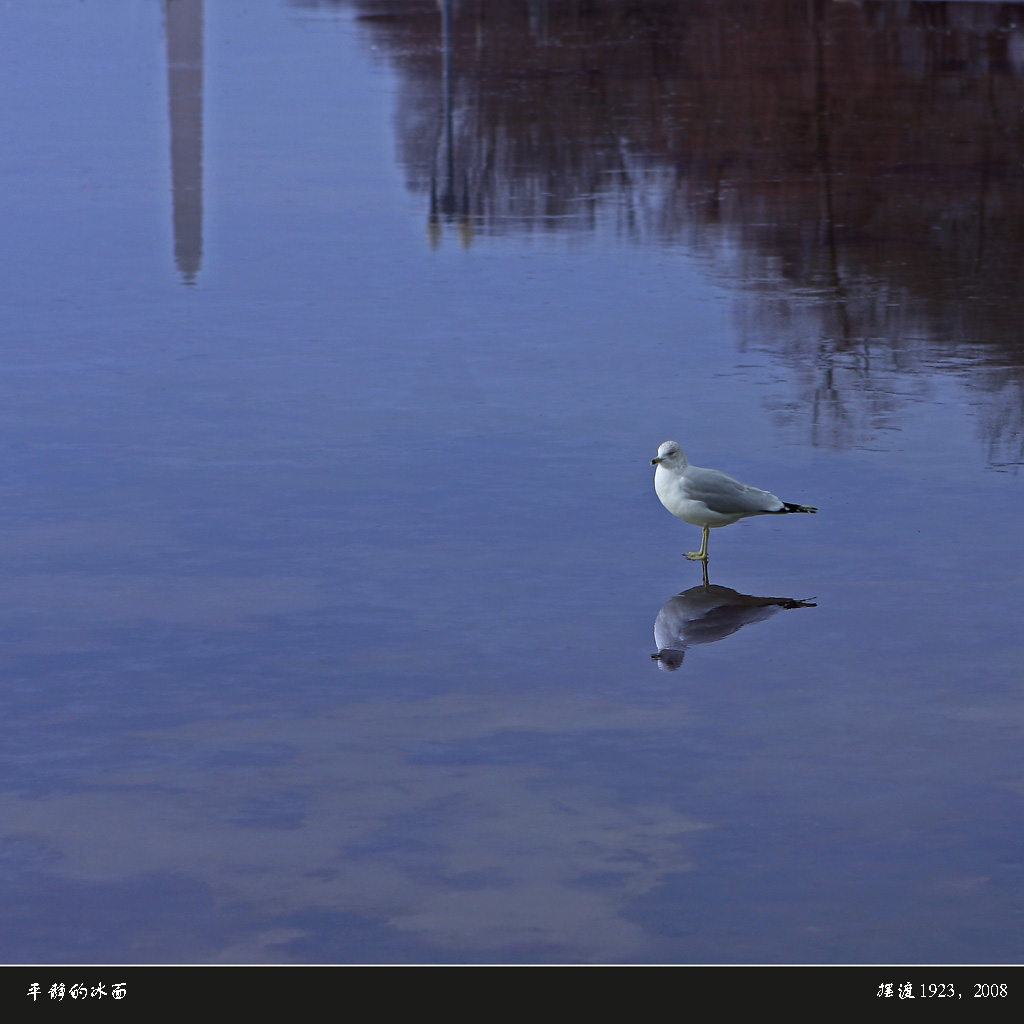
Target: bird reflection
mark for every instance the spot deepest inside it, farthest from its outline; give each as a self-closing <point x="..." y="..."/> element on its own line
<point x="705" y="614"/>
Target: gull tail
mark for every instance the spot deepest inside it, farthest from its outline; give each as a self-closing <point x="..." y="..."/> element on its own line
<point x="795" y="508"/>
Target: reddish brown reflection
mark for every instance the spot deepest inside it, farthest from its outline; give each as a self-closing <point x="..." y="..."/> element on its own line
<point x="868" y="154"/>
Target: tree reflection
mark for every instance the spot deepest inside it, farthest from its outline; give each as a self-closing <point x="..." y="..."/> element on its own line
<point x="866" y="157"/>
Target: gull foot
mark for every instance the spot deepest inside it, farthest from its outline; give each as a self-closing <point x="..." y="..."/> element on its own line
<point x="696" y="556"/>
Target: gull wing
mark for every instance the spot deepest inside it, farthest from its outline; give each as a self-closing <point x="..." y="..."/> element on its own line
<point x="727" y="496"/>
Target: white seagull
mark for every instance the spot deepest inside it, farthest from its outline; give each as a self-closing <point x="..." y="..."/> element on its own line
<point x="707" y="498"/>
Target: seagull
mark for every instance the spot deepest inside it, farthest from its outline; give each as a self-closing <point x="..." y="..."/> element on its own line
<point x="707" y="498"/>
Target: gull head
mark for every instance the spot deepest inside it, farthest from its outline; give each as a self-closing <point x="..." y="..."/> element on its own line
<point x="671" y="454"/>
<point x="669" y="660"/>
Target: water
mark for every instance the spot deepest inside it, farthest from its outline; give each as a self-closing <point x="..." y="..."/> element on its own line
<point x="335" y="357"/>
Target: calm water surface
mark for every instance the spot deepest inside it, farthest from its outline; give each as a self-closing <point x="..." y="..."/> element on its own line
<point x="338" y="338"/>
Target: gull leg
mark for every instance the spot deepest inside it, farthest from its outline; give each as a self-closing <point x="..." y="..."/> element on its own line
<point x="702" y="555"/>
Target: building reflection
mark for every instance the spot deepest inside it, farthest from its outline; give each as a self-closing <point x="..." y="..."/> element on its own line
<point x="854" y="166"/>
<point x="184" y="31"/>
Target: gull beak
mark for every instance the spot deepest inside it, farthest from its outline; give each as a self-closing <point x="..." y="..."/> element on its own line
<point x="655" y="460"/>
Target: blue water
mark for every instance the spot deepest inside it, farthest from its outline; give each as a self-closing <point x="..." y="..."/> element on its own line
<point x="330" y="549"/>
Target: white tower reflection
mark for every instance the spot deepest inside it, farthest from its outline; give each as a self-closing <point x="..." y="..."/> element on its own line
<point x="184" y="26"/>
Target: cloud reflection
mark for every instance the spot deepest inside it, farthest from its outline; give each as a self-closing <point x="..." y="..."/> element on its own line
<point x="354" y="813"/>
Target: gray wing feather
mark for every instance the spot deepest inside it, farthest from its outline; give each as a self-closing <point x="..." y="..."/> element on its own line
<point x="722" y="494"/>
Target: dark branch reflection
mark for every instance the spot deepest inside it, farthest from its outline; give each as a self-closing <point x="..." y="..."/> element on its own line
<point x="859" y="166"/>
